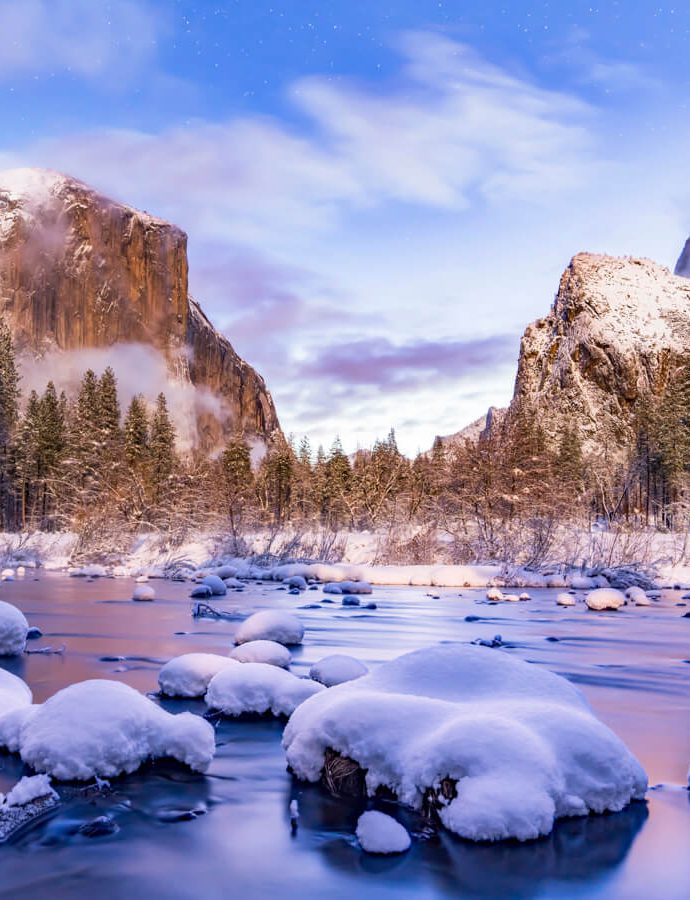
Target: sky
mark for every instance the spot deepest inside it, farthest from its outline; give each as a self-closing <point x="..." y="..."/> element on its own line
<point x="379" y="196"/>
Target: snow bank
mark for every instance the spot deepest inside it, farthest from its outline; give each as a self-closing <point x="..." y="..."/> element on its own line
<point x="188" y="675"/>
<point x="379" y="833"/>
<point x="515" y="745"/>
<point x="605" y="598"/>
<point x="271" y="625"/>
<point x="269" y="652"/>
<point x="103" y="728"/>
<point x="13" y="630"/>
<point x="337" y="669"/>
<point x="14" y="692"/>
<point x="258" y="688"/>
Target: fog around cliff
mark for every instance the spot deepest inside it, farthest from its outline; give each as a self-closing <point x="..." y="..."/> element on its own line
<point x="139" y="369"/>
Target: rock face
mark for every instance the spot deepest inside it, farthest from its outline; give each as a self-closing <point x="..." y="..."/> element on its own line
<point x="607" y="340"/>
<point x="683" y="264"/>
<point x="80" y="271"/>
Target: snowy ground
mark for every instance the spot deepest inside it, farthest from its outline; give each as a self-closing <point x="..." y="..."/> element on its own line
<point x="150" y="555"/>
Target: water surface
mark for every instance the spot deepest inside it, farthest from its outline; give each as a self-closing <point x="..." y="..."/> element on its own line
<point x="227" y="833"/>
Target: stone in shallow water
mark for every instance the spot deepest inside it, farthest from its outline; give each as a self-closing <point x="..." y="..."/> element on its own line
<point x="101" y="826"/>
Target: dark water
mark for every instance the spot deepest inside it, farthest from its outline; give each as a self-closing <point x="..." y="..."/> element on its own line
<point x="227" y="834"/>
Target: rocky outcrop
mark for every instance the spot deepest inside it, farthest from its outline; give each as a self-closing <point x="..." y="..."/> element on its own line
<point x="607" y="340"/>
<point x="80" y="271"/>
<point x="683" y="264"/>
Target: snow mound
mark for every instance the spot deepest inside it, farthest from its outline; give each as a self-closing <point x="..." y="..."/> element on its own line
<point x="216" y="584"/>
<point x="271" y="625"/>
<point x="638" y="596"/>
<point x="337" y="669"/>
<point x="494" y="593"/>
<point x="13" y="630"/>
<point x="296" y="581"/>
<point x="605" y="598"/>
<point x="258" y="688"/>
<point x="270" y="652"/>
<point x="29" y="788"/>
<point x="14" y="692"/>
<point x="143" y="592"/>
<point x="564" y="599"/>
<point x="379" y="833"/>
<point x="188" y="675"/>
<point x="503" y="747"/>
<point x="103" y="728"/>
<point x="347" y="587"/>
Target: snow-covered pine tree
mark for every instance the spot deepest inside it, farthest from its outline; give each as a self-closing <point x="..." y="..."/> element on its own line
<point x="136" y="433"/>
<point x="162" y="454"/>
<point x="9" y="414"/>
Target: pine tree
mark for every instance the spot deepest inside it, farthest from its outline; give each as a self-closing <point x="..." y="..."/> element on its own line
<point x="9" y="414"/>
<point x="162" y="453"/>
<point x="237" y="480"/>
<point x="136" y="433"/>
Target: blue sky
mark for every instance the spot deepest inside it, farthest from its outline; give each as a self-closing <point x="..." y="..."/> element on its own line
<point x="378" y="195"/>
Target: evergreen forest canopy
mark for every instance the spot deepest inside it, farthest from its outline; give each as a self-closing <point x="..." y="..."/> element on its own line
<point x="78" y="463"/>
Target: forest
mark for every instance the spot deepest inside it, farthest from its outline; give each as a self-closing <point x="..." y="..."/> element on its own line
<point x="81" y="463"/>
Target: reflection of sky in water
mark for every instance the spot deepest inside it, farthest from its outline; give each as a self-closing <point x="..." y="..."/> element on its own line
<point x="630" y="665"/>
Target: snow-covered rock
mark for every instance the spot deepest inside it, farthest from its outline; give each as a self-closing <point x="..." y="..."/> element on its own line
<point x="93" y="570"/>
<point x="511" y="598"/>
<point x="565" y="599"/>
<point x="201" y="592"/>
<point x="516" y="745"/>
<point x="233" y="583"/>
<point x="270" y="652"/>
<point x="271" y="625"/>
<point x="494" y="593"/>
<point x="347" y="587"/>
<point x="143" y="592"/>
<point x="13" y="692"/>
<point x="216" y="584"/>
<point x="637" y="596"/>
<point x="379" y="833"/>
<point x="258" y="688"/>
<point x="296" y="581"/>
<point x="103" y="728"/>
<point x="605" y="598"/>
<point x="30" y="788"/>
<point x="337" y="669"/>
<point x="13" y="630"/>
<point x="188" y="675"/>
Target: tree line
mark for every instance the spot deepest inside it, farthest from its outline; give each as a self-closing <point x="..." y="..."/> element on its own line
<point x="83" y="463"/>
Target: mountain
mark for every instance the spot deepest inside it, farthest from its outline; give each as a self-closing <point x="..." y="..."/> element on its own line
<point x="84" y="277"/>
<point x="606" y="341"/>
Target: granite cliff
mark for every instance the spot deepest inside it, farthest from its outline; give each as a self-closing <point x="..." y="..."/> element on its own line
<point x="79" y="271"/>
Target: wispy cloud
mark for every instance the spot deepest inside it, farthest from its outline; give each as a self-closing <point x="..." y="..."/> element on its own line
<point x="82" y="37"/>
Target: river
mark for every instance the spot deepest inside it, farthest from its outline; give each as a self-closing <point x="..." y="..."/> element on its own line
<point x="227" y="833"/>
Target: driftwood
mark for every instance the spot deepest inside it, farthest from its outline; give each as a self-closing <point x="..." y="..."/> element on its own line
<point x="201" y="610"/>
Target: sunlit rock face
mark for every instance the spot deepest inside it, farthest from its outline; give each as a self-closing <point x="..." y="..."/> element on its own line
<point x="79" y="271"/>
<point x="607" y="340"/>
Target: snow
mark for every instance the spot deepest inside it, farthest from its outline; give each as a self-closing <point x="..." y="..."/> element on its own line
<point x="188" y="675"/>
<point x="379" y="833"/>
<point x="564" y="599"/>
<point x="103" y="728"/>
<point x="519" y="743"/>
<point x="143" y="592"/>
<point x="347" y="587"/>
<point x="216" y="584"/>
<point x="270" y="652"/>
<point x="638" y="596"/>
<point x="271" y="625"/>
<point x="605" y="598"/>
<point x="13" y="630"/>
<point x="30" y="788"/>
<point x="494" y="593"/>
<point x="14" y="692"/>
<point x="258" y="688"/>
<point x="336" y="669"/>
<point x="93" y="570"/>
<point x="296" y="581"/>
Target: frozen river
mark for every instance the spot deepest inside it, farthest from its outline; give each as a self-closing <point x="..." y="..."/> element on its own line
<point x="227" y="833"/>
